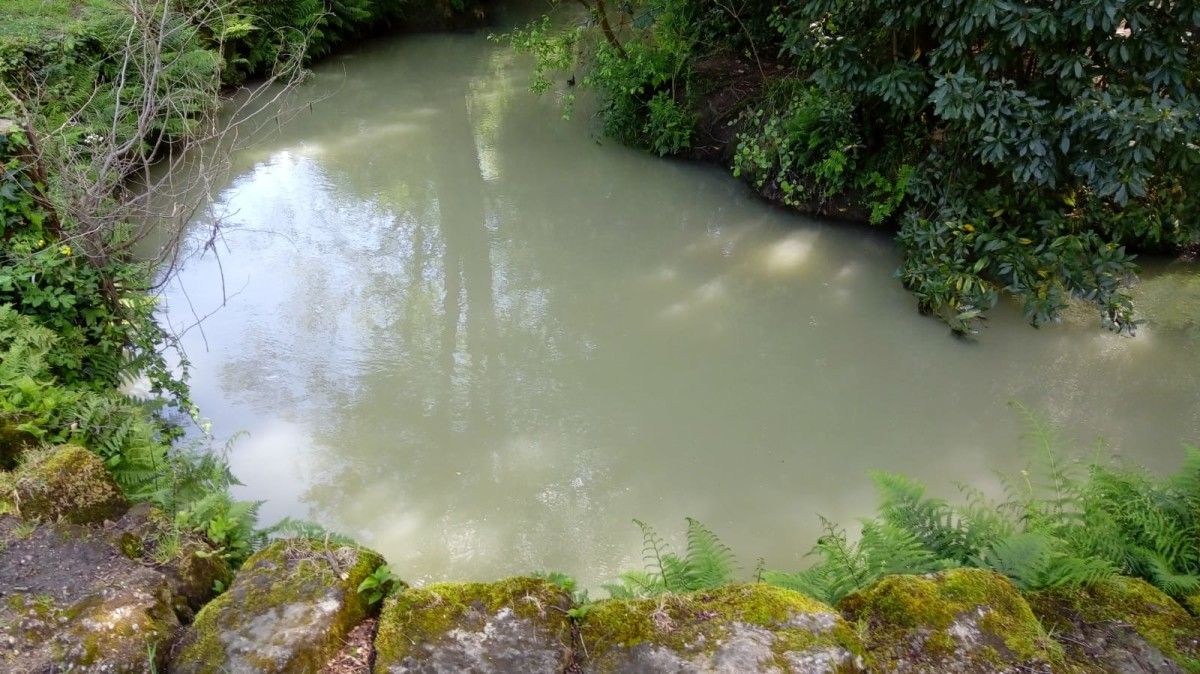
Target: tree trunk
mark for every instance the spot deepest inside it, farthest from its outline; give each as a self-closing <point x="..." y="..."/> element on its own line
<point x="600" y="12"/>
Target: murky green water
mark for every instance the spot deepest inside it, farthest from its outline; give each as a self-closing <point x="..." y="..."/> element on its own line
<point x="463" y="331"/>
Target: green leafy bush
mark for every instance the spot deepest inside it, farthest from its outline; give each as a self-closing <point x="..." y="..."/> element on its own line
<point x="1047" y="138"/>
<point x="73" y="329"/>
<point x="638" y="90"/>
<point x="802" y="151"/>
<point x="262" y="33"/>
<point x="1021" y="149"/>
<point x="642" y="84"/>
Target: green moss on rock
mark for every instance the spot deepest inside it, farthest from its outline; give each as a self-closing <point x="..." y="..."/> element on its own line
<point x="120" y="629"/>
<point x="514" y="625"/>
<point x="73" y="603"/>
<point x="1192" y="604"/>
<point x="287" y="610"/>
<point x="1121" y="625"/>
<point x="188" y="561"/>
<point x="69" y="483"/>
<point x="963" y="620"/>
<point x="753" y="627"/>
<point x="8" y="494"/>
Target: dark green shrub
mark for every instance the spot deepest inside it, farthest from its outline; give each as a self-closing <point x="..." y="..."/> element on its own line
<point x="639" y="96"/>
<point x="803" y="150"/>
<point x="1026" y="149"/>
<point x="1047" y="137"/>
<point x="262" y="33"/>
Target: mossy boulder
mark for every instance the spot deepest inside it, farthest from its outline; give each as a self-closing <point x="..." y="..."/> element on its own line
<point x="288" y="610"/>
<point x="963" y="620"/>
<point x="188" y="561"/>
<point x="73" y="602"/>
<point x="122" y="627"/>
<point x="1120" y="625"/>
<point x="68" y="483"/>
<point x="514" y="625"/>
<point x="739" y="628"/>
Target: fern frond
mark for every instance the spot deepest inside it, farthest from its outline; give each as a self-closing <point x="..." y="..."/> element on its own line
<point x="636" y="584"/>
<point x="817" y="582"/>
<point x="296" y="528"/>
<point x="886" y="549"/>
<point x="659" y="560"/>
<point x="709" y="562"/>
<point x="1170" y="580"/>
<point x="903" y="505"/>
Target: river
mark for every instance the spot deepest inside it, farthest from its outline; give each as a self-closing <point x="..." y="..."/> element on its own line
<point x="482" y="340"/>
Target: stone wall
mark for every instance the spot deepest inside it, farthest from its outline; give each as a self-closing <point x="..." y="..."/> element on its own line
<point x="90" y="584"/>
<point x="963" y="620"/>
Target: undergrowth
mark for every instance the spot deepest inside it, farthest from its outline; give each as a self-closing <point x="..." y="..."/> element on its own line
<point x="77" y="321"/>
<point x="1060" y="523"/>
<point x="1029" y="150"/>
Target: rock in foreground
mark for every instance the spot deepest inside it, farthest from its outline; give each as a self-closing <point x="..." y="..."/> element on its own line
<point x="515" y="625"/>
<point x="188" y="561"/>
<point x="740" y="628"/>
<point x="71" y="601"/>
<point x="288" y="610"/>
<point x="1121" y="625"/>
<point x="965" y="621"/>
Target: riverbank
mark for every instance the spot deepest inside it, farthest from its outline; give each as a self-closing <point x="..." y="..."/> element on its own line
<point x="108" y="588"/>
<point x="97" y="584"/>
<point x="96" y="97"/>
<point x="1006" y="166"/>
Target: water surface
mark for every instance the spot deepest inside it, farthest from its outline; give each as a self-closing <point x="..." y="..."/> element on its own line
<point x="467" y="333"/>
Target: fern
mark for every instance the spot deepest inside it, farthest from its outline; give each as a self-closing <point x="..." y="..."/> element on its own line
<point x="1047" y="494"/>
<point x="707" y="563"/>
<point x="1169" y="578"/>
<point x="933" y="522"/>
<point x="295" y="528"/>
<point x="227" y="523"/>
<point x="123" y="433"/>
<point x="1035" y="560"/>
<point x="817" y="582"/>
<point x="1059" y="526"/>
<point x="1062" y="524"/>
<point x="845" y="567"/>
<point x="656" y="555"/>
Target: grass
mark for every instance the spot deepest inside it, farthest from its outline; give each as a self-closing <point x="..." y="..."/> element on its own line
<point x="45" y="18"/>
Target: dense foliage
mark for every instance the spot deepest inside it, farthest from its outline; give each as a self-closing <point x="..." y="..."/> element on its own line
<point x="1025" y="148"/>
<point x="70" y="334"/>
<point x="76" y="308"/>
<point x="260" y="33"/>
<point x="95" y="108"/>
